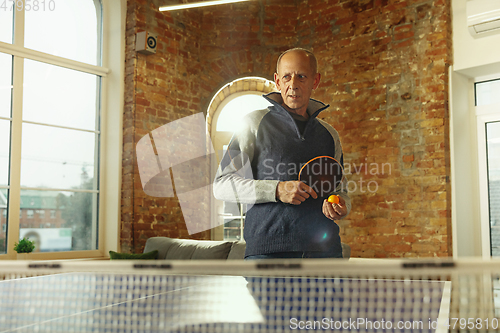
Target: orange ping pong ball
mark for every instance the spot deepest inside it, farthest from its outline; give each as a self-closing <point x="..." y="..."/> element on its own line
<point x="333" y="199"/>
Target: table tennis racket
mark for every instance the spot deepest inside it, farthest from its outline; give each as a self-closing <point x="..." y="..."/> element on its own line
<point x="323" y="174"/>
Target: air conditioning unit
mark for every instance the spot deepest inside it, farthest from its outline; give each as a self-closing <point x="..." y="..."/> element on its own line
<point x="483" y="17"/>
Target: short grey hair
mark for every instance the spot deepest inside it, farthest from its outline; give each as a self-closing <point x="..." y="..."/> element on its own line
<point x="312" y="58"/>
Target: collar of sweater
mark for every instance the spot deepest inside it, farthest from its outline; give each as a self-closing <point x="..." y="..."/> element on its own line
<point x="313" y="108"/>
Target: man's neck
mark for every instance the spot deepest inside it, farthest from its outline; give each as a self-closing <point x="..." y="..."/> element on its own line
<point x="302" y="113"/>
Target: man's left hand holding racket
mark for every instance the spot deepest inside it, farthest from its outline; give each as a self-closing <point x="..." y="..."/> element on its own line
<point x="324" y="174"/>
<point x="294" y="192"/>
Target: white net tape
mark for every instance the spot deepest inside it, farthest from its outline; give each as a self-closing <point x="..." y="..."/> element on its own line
<point x="264" y="296"/>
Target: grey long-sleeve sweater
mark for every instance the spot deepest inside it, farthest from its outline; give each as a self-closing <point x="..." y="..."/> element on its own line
<point x="271" y="148"/>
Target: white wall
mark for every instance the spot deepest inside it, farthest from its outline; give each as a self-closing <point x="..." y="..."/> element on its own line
<point x="465" y="194"/>
<point x="472" y="56"/>
<point x="474" y="60"/>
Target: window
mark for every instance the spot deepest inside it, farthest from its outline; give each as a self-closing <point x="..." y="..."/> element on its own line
<point x="81" y="21"/>
<point x="487" y="92"/>
<point x="5" y="116"/>
<point x="3" y="219"/>
<point x="230" y="117"/>
<point x="239" y="98"/>
<point x="230" y="120"/>
<point x="488" y="115"/>
<point x="233" y="217"/>
<point x="6" y="22"/>
<point x="50" y="119"/>
<point x="493" y="163"/>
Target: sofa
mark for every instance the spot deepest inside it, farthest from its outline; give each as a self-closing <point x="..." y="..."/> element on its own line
<point x="186" y="249"/>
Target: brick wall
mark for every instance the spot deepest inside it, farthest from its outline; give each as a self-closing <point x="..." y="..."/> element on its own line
<point x="385" y="70"/>
<point x="159" y="89"/>
<point x="384" y="66"/>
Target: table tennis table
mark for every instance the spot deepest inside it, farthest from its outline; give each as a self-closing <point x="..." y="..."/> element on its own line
<point x="116" y="302"/>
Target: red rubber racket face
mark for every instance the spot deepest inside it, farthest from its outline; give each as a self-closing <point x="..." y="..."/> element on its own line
<point x="323" y="174"/>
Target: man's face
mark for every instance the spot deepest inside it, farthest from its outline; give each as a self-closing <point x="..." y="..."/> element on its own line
<point x="296" y="81"/>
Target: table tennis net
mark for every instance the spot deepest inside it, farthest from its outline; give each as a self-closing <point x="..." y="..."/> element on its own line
<point x="264" y="296"/>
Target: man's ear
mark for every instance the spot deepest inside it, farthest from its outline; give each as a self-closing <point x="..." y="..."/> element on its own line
<point x="317" y="78"/>
<point x="277" y="81"/>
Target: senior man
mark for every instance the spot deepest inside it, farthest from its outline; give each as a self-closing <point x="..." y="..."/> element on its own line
<point x="287" y="219"/>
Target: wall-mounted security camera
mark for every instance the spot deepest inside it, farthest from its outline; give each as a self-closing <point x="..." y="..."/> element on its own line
<point x="145" y="42"/>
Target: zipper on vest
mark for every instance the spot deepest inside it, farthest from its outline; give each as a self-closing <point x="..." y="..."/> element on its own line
<point x="300" y="136"/>
<point x="314" y="115"/>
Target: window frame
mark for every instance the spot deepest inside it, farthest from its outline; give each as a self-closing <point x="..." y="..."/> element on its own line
<point x="111" y="73"/>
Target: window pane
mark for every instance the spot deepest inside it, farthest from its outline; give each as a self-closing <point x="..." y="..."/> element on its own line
<point x="493" y="148"/>
<point x="5" y="84"/>
<point x="231" y="115"/>
<point x="4" y="151"/>
<point x="3" y="220"/>
<point x="56" y="158"/>
<point x="79" y="38"/>
<point x="59" y="96"/>
<point x="6" y="22"/>
<point x="58" y="221"/>
<point x="488" y="92"/>
<point x="233" y="230"/>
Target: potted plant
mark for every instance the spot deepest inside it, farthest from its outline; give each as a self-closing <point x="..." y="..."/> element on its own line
<point x="23" y="247"/>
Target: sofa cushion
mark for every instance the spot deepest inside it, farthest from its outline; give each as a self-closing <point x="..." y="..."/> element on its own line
<point x="133" y="256"/>
<point x="171" y="248"/>
<point x="346" y="251"/>
<point x="237" y="251"/>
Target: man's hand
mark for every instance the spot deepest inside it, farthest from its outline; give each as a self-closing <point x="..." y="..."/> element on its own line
<point x="294" y="192"/>
<point x="335" y="211"/>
